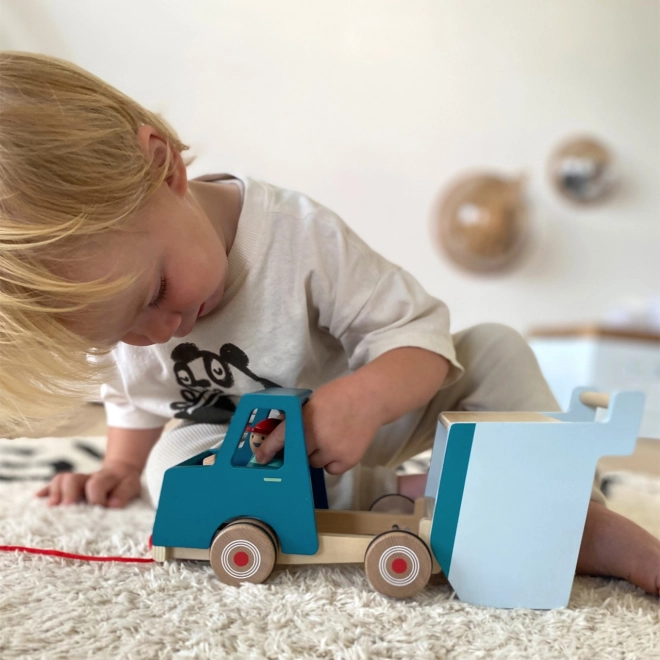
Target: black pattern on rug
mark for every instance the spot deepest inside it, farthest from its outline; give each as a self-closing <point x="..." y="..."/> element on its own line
<point x="33" y="460"/>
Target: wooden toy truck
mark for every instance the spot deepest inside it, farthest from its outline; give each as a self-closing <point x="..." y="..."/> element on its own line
<point x="503" y="513"/>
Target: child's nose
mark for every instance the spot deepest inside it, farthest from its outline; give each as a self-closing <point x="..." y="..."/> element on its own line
<point x="160" y="327"/>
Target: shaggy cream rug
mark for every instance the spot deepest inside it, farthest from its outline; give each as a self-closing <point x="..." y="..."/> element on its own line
<point x="56" y="608"/>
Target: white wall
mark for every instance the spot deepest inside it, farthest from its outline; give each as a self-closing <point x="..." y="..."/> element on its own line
<point x="372" y="106"/>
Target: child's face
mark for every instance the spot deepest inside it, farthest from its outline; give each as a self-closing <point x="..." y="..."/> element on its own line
<point x="188" y="276"/>
<point x="184" y="264"/>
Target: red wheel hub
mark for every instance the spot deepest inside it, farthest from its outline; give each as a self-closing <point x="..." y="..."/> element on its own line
<point x="399" y="565"/>
<point x="241" y="558"/>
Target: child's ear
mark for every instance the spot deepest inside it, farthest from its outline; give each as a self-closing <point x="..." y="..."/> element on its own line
<point x="178" y="176"/>
<point x="156" y="150"/>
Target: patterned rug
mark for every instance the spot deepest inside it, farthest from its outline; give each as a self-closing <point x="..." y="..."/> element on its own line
<point x="54" y="608"/>
<point x="40" y="459"/>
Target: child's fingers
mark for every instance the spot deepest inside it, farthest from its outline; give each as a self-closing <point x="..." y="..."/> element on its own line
<point x="54" y="490"/>
<point x="271" y="445"/>
<point x="336" y="467"/>
<point x="44" y="492"/>
<point x="63" y="489"/>
<point x="98" y="486"/>
<point x="316" y="459"/>
<point x="73" y="487"/>
<point x="123" y="493"/>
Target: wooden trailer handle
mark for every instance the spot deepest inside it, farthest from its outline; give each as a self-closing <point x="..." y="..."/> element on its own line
<point x="595" y="399"/>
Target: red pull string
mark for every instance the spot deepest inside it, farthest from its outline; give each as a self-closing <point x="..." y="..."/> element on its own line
<point x="70" y="555"/>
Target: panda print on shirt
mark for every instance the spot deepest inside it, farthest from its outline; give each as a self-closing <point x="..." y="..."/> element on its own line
<point x="205" y="378"/>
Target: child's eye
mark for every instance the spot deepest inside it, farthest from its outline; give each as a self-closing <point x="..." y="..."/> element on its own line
<point x="162" y="292"/>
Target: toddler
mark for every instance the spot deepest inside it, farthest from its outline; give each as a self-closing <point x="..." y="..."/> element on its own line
<point x="199" y="291"/>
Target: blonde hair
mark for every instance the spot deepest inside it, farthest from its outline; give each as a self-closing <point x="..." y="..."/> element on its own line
<point x="71" y="169"/>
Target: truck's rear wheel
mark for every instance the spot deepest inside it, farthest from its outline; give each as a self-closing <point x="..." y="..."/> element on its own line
<point x="398" y="564"/>
<point x="393" y="503"/>
<point x="243" y="552"/>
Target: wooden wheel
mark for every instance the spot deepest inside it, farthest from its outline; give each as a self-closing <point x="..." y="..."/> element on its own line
<point x="398" y="564"/>
<point x="393" y="503"/>
<point x="243" y="552"/>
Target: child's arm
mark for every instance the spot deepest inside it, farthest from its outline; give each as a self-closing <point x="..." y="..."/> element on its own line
<point x="342" y="417"/>
<point x="118" y="480"/>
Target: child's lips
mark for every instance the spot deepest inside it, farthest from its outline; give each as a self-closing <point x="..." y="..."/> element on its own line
<point x="201" y="309"/>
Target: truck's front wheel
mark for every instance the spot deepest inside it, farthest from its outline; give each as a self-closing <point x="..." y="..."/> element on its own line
<point x="243" y="552"/>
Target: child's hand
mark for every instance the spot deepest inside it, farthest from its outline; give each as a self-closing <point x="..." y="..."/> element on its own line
<point x="114" y="485"/>
<point x="342" y="417"/>
<point x="339" y="426"/>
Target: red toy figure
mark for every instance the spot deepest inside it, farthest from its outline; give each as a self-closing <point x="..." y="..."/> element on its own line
<point x="258" y="433"/>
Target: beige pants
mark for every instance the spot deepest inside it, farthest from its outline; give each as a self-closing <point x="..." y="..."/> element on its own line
<point x="501" y="374"/>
